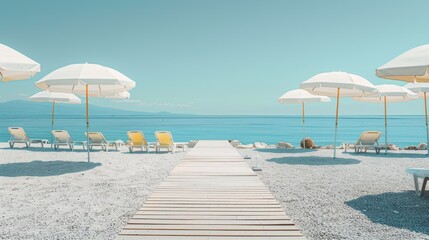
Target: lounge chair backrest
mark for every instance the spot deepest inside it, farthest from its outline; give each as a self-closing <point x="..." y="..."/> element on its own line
<point x="164" y="138"/>
<point x="137" y="138"/>
<point x="369" y="138"/>
<point x="18" y="133"/>
<point x="96" y="137"/>
<point x="61" y="136"/>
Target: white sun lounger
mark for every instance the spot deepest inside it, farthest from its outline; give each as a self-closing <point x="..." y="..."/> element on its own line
<point x="367" y="140"/>
<point x="18" y="135"/>
<point x="98" y="139"/>
<point x="419" y="173"/>
<point x="62" y="138"/>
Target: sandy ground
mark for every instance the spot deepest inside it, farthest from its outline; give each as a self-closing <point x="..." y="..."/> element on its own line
<point x="56" y="195"/>
<point x="356" y="196"/>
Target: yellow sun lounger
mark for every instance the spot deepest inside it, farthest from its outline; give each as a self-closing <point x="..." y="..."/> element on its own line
<point x="97" y="139"/>
<point x="136" y="139"/>
<point x="164" y="139"/>
<point x="18" y="135"/>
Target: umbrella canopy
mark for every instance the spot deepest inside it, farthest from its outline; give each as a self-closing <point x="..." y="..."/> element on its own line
<point x="301" y="96"/>
<point x="392" y="93"/>
<point x="338" y="84"/>
<point x="419" y="88"/>
<point x="327" y="84"/>
<point x="74" y="78"/>
<point x="89" y="80"/>
<point x="15" y="65"/>
<point x="46" y="96"/>
<point x="388" y="93"/>
<point x="410" y="66"/>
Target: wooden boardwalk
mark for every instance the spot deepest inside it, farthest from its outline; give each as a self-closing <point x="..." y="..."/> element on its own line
<point x="211" y="194"/>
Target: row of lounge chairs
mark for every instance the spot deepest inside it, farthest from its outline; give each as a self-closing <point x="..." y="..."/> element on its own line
<point x="136" y="139"/>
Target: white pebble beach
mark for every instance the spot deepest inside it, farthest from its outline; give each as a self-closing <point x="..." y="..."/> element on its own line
<point x="355" y="196"/>
<point x="48" y="194"/>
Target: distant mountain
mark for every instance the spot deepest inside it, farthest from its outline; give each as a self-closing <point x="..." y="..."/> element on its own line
<point x="29" y="108"/>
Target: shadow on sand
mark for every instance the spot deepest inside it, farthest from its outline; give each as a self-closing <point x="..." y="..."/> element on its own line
<point x="391" y="154"/>
<point x="44" y="168"/>
<point x="400" y="210"/>
<point x="314" y="160"/>
<point x="285" y="150"/>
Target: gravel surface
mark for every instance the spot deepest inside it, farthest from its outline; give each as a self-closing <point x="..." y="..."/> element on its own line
<point x="355" y="196"/>
<point x="57" y="195"/>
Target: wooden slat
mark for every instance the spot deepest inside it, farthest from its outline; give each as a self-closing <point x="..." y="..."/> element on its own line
<point x="211" y="194"/>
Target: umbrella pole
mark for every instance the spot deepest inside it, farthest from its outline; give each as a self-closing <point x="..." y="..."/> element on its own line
<point x="426" y="116"/>
<point x="52" y="123"/>
<point x="385" y="125"/>
<point x="303" y="123"/>
<point x="87" y="123"/>
<point x="336" y="123"/>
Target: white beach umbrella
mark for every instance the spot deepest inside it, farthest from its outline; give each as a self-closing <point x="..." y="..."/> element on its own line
<point x="86" y="79"/>
<point x="300" y="96"/>
<point x="55" y="97"/>
<point x="411" y="66"/>
<point x="338" y="84"/>
<point x="15" y="65"/>
<point x="388" y="93"/>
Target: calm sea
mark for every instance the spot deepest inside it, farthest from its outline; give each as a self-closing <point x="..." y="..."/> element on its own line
<point x="403" y="130"/>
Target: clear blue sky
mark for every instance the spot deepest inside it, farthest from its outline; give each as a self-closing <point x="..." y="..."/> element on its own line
<point x="216" y="57"/>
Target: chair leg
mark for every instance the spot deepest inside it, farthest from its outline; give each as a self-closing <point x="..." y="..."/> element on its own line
<point x="420" y="192"/>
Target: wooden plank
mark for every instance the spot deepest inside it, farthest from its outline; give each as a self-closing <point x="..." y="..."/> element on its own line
<point x="125" y="237"/>
<point x="210" y="227"/>
<point x="211" y="194"/>
<point x="193" y="221"/>
<point x="283" y="233"/>
<point x="208" y="217"/>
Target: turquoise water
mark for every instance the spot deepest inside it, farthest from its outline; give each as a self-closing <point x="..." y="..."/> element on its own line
<point x="403" y="130"/>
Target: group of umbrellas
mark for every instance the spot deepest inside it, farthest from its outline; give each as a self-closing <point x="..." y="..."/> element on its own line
<point x="411" y="66"/>
<point x="61" y="85"/>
